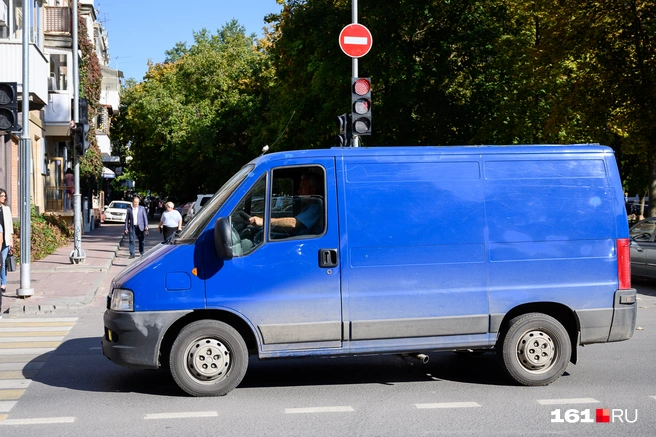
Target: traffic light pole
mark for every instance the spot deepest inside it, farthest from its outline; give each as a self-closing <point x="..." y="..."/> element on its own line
<point x="25" y="289"/>
<point x="77" y="256"/>
<point x="355" y="140"/>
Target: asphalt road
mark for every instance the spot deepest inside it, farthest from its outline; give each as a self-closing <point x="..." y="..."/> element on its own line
<point x="78" y="392"/>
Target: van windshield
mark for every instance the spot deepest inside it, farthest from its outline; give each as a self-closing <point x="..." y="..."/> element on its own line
<point x="194" y="228"/>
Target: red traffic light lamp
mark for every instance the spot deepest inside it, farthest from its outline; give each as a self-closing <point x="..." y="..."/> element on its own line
<point x="361" y="105"/>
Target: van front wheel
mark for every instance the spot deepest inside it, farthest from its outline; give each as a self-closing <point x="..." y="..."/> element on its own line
<point x="536" y="349"/>
<point x="208" y="358"/>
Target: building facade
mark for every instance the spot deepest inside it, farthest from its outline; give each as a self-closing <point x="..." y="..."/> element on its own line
<point x="51" y="95"/>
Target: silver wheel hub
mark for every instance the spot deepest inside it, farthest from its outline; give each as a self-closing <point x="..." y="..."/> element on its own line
<point x="536" y="350"/>
<point x="208" y="359"/>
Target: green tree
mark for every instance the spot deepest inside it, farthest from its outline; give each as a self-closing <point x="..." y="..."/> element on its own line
<point x="90" y="86"/>
<point x="188" y="125"/>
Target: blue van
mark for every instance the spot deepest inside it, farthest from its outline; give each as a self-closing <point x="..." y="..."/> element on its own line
<point x="386" y="250"/>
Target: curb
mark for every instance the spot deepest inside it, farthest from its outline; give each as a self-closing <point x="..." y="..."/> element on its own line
<point x="71" y="303"/>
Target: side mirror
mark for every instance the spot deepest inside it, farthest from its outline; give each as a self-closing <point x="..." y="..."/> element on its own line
<point x="223" y="238"/>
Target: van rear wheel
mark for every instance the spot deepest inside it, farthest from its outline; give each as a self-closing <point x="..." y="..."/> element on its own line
<point x="536" y="349"/>
<point x="208" y="358"/>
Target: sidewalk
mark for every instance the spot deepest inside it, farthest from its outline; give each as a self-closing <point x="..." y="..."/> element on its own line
<point x="62" y="287"/>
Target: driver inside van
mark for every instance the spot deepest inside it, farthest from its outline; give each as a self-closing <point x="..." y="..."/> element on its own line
<point x="309" y="220"/>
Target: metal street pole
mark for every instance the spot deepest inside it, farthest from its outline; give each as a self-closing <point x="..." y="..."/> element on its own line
<point x="77" y="256"/>
<point x="25" y="289"/>
<point x="355" y="140"/>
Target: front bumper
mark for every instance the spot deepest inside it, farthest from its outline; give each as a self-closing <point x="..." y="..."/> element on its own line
<point x="133" y="339"/>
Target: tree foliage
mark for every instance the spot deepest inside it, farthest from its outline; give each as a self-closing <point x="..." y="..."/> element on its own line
<point x="444" y="72"/>
<point x="90" y="86"/>
<point x="189" y="123"/>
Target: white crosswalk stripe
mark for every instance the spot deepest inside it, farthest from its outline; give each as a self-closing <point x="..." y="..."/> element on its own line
<point x="25" y="345"/>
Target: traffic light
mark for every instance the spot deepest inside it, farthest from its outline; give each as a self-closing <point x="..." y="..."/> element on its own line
<point x="361" y="105"/>
<point x="9" y="107"/>
<point x="81" y="138"/>
<point x="83" y="110"/>
<point x="344" y="129"/>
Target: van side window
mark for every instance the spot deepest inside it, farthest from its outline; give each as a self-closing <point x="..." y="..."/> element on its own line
<point x="246" y="236"/>
<point x="297" y="202"/>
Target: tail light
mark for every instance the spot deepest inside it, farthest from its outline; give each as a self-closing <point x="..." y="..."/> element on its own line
<point x="624" y="263"/>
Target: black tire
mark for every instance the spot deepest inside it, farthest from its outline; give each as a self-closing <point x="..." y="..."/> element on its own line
<point x="222" y="364"/>
<point x="536" y="349"/>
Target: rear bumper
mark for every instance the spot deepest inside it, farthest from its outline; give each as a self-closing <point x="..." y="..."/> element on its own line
<point x="610" y="324"/>
<point x="133" y="339"/>
<point x="625" y="313"/>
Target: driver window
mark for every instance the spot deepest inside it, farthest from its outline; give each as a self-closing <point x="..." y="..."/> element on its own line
<point x="297" y="202"/>
<point x="247" y="236"/>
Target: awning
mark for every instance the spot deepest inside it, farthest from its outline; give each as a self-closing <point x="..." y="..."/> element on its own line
<point x="108" y="174"/>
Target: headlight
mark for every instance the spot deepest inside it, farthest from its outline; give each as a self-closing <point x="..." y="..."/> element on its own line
<point x="122" y="300"/>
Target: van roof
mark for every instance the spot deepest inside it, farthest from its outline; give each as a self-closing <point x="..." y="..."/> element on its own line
<point x="430" y="150"/>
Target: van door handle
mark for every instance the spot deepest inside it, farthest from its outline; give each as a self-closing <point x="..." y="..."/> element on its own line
<point x="327" y="257"/>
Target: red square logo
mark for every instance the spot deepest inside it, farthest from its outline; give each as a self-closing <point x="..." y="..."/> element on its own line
<point x="603" y="415"/>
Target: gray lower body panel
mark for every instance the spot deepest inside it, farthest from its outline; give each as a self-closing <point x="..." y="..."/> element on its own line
<point x="602" y="325"/>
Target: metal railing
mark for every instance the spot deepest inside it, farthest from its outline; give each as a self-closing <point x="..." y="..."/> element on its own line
<point x="55" y="197"/>
<point x="57" y="20"/>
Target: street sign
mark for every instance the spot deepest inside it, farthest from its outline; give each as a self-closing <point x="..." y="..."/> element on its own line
<point x="355" y="40"/>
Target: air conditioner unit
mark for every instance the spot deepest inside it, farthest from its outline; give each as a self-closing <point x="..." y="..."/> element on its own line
<point x="52" y="84"/>
<point x="3" y="14"/>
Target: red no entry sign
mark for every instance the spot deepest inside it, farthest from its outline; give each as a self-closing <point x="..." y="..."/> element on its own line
<point x="355" y="40"/>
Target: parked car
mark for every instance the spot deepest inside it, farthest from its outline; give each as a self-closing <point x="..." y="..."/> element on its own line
<point x="116" y="211"/>
<point x="643" y="248"/>
<point x="184" y="211"/>
<point x="196" y="206"/>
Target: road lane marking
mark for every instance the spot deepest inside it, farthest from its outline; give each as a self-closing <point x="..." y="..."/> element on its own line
<point x="40" y="320"/>
<point x="190" y="414"/>
<point x="30" y="344"/>
<point x="44" y="330"/>
<point x="31" y="340"/>
<point x="448" y="405"/>
<point x="14" y="383"/>
<point x="17" y="374"/>
<point x="11" y="395"/>
<point x="22" y="324"/>
<point x="6" y="406"/>
<point x="567" y="401"/>
<point x="38" y="421"/>
<point x="22" y="366"/>
<point x="27" y="351"/>
<point x="318" y="410"/>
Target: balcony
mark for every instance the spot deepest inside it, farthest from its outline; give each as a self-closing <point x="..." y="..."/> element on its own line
<point x="11" y="68"/>
<point x="57" y="20"/>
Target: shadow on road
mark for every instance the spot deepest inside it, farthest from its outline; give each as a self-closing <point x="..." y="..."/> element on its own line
<point x="78" y="364"/>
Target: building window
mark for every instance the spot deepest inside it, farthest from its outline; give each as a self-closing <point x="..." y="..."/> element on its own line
<point x="59" y="71"/>
<point x="11" y="20"/>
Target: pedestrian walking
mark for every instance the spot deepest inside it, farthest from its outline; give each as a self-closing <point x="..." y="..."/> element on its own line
<point x="7" y="240"/>
<point x="69" y="181"/>
<point x="136" y="225"/>
<point x="170" y="222"/>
